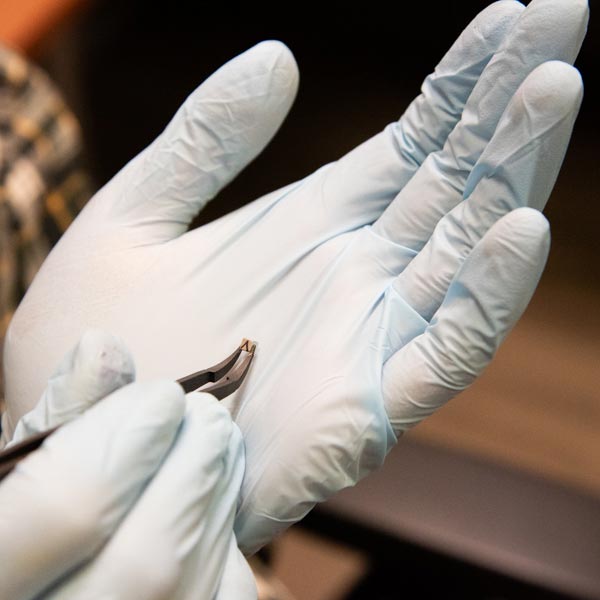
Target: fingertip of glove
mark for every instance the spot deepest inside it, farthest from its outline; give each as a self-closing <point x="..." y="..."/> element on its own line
<point x="576" y="9"/>
<point x="496" y="19"/>
<point x="165" y="390"/>
<point x="160" y="399"/>
<point x="249" y="95"/>
<point x="106" y="356"/>
<point x="524" y="231"/>
<point x="275" y="49"/>
<point x="554" y="89"/>
<point x="527" y="217"/>
<point x="558" y="25"/>
<point x="502" y="8"/>
<point x="211" y="411"/>
<point x="280" y="61"/>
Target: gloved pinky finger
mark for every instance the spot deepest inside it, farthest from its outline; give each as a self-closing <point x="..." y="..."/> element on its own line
<point x="484" y="301"/>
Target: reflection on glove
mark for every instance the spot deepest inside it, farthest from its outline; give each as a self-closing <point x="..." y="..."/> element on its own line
<point x="138" y="494"/>
<point x="378" y="287"/>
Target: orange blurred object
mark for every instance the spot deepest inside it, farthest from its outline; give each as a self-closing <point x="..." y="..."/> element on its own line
<point x="25" y="24"/>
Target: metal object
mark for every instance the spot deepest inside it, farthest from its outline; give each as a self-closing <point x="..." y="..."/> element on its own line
<point x="220" y="380"/>
<point x="225" y="377"/>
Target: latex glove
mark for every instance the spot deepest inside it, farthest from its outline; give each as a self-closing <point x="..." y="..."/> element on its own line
<point x="378" y="287"/>
<point x="134" y="499"/>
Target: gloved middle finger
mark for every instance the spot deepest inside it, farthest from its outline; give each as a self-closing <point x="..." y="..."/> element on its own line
<point x="547" y="30"/>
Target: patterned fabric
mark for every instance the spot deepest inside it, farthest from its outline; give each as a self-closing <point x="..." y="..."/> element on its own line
<point x="42" y="183"/>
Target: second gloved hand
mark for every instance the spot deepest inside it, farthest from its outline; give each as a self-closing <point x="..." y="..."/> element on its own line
<point x="378" y="287"/>
<point x="133" y="498"/>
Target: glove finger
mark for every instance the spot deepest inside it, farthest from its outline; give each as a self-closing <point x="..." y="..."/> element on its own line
<point x="546" y="30"/>
<point x="367" y="179"/>
<point x="98" y="365"/>
<point x="486" y="298"/>
<point x="532" y="138"/>
<point x="62" y="502"/>
<point x="219" y="129"/>
<point x="175" y="541"/>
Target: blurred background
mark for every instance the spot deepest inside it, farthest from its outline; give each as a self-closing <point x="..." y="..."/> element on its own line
<point x="533" y="419"/>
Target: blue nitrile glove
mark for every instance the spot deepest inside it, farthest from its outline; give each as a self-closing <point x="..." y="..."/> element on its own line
<point x="378" y="287"/>
<point x="134" y="499"/>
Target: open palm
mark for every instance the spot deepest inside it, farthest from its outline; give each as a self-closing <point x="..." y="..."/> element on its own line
<point x="377" y="288"/>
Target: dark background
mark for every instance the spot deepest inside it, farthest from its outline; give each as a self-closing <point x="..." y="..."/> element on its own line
<point x="127" y="65"/>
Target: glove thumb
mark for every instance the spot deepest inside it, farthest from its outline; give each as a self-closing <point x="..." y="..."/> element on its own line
<point x="98" y="365"/>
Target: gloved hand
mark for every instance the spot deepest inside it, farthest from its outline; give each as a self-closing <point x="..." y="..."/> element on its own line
<point x="134" y="499"/>
<point x="378" y="287"/>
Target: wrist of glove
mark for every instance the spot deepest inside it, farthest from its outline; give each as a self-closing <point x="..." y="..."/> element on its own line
<point x="133" y="497"/>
